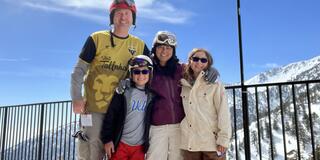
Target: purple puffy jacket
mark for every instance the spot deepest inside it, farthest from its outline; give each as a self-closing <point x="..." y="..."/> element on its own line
<point x="168" y="107"/>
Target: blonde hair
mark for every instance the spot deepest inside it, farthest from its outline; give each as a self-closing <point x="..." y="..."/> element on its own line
<point x="188" y="72"/>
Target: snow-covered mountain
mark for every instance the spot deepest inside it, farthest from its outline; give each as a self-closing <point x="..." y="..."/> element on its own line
<point x="303" y="70"/>
<point x="265" y="107"/>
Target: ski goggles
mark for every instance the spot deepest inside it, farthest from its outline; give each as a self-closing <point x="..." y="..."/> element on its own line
<point x="138" y="71"/>
<point x="197" y="59"/>
<point x="128" y="2"/>
<point x="165" y="38"/>
<point x="138" y="62"/>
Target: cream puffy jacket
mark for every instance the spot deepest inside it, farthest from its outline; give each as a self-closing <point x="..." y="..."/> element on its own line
<point x="207" y="121"/>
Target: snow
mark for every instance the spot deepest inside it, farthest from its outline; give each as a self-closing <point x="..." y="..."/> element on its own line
<point x="303" y="70"/>
<point x="285" y="73"/>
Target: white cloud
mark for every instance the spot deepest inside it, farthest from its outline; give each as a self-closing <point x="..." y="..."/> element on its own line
<point x="267" y="65"/>
<point x="271" y="65"/>
<point x="165" y="12"/>
<point x="95" y="9"/>
<point x="70" y="11"/>
<point x="90" y="4"/>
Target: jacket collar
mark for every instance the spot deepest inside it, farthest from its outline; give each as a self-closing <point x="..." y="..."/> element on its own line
<point x="184" y="82"/>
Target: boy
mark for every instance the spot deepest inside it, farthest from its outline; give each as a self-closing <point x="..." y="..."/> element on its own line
<point x="125" y="129"/>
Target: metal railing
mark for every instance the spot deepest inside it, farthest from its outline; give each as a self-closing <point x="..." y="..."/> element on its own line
<point x="283" y="125"/>
<point x="283" y="118"/>
<point x="38" y="131"/>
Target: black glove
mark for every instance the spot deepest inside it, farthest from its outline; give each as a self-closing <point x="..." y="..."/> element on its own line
<point x="211" y="75"/>
<point x="123" y="85"/>
<point x="79" y="134"/>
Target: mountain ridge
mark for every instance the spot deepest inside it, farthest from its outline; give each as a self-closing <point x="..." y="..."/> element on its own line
<point x="309" y="68"/>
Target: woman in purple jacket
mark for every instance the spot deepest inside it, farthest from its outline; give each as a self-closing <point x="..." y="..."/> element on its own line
<point x="167" y="112"/>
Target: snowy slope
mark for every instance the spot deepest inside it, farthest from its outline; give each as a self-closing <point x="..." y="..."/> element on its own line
<point x="291" y="72"/>
<point x="298" y="71"/>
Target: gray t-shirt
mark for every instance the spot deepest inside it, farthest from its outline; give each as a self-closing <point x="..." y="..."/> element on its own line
<point x="134" y="123"/>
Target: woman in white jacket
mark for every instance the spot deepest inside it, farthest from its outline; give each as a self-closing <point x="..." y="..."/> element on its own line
<point x="206" y="128"/>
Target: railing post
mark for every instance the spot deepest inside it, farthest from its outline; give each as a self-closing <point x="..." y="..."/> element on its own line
<point x="311" y="123"/>
<point x="40" y="131"/>
<point x="296" y="119"/>
<point x="283" y="125"/>
<point x="258" y="120"/>
<point x="244" y="91"/>
<point x="270" y="123"/>
<point x="4" y="132"/>
<point x="235" y="122"/>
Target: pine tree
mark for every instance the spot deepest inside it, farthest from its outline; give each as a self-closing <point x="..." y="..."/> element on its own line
<point x="261" y="130"/>
<point x="275" y="153"/>
<point x="254" y="139"/>
<point x="275" y="123"/>
<point x="291" y="128"/>
<point x="267" y="129"/>
<point x="287" y="126"/>
<point x="304" y="129"/>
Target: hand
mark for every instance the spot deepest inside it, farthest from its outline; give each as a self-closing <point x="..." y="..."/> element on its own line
<point x="78" y="106"/>
<point x="109" y="148"/>
<point x="221" y="149"/>
<point x="123" y="85"/>
<point x="211" y="75"/>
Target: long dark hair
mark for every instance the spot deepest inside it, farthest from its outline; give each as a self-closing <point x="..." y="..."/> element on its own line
<point x="171" y="66"/>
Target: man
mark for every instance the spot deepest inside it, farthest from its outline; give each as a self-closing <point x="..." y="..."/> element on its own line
<point x="103" y="62"/>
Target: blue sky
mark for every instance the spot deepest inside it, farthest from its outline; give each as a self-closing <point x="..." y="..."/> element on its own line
<point x="41" y="39"/>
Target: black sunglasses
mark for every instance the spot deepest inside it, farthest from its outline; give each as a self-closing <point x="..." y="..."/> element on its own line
<point x="137" y="71"/>
<point x="202" y="60"/>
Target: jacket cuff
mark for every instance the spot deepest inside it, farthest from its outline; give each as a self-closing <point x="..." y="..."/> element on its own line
<point x="224" y="142"/>
<point x="106" y="140"/>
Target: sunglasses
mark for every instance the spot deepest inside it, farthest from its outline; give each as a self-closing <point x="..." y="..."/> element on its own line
<point x="197" y="59"/>
<point x="167" y="38"/>
<point x="137" y="71"/>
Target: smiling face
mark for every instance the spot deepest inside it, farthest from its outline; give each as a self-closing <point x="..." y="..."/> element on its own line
<point x="164" y="53"/>
<point x="140" y="76"/>
<point x="122" y="18"/>
<point x="198" y="62"/>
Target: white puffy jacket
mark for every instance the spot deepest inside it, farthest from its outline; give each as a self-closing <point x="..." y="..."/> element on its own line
<point x="207" y="121"/>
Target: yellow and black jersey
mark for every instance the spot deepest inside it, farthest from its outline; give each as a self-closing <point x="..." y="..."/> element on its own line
<point x="108" y="65"/>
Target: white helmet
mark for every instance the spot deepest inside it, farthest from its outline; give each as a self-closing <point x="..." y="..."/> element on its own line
<point x="140" y="61"/>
